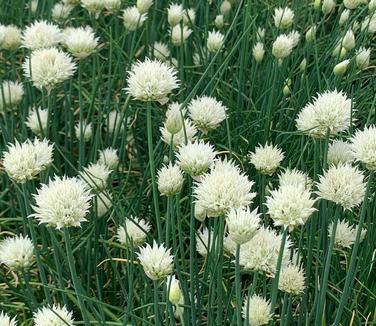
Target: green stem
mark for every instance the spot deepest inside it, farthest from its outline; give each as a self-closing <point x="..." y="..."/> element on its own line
<point x="352" y="266"/>
<point x="152" y="170"/>
<point x="156" y="309"/>
<point x="238" y="286"/>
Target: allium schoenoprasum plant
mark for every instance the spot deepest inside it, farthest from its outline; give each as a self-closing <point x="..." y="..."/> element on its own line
<point x="191" y="162"/>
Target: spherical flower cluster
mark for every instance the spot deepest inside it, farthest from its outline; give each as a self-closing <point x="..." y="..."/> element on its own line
<point x="295" y="178"/>
<point x="195" y="158"/>
<point x="94" y="7"/>
<point x="55" y="315"/>
<point x="328" y="6"/>
<point x="170" y="180"/>
<point x="206" y="113"/>
<point x="179" y="35"/>
<point x="63" y="202"/>
<point x="363" y="147"/>
<point x="144" y="5"/>
<point x="282" y="46"/>
<point x="290" y="206"/>
<point x="283" y="17"/>
<point x="109" y="157"/>
<point x="48" y="67"/>
<point x="61" y="11"/>
<point x="132" y="18"/>
<point x="151" y="80"/>
<point x="292" y="280"/>
<point x="23" y="162"/>
<point x="345" y="234"/>
<point x="342" y="184"/>
<point x="225" y="187"/>
<point x="256" y="311"/>
<point x="83" y="131"/>
<point x="16" y="252"/>
<point x="188" y="132"/>
<point x="161" y="51"/>
<point x="344" y="17"/>
<point x="10" y="37"/>
<point x="133" y="232"/>
<point x="339" y="151"/>
<point x="258" y="51"/>
<point x="242" y="224"/>
<point x="175" y="13"/>
<point x="5" y="320"/>
<point x="80" y="42"/>
<point x="112" y="5"/>
<point x="37" y="121"/>
<point x="157" y="261"/>
<point x="266" y="159"/>
<point x="215" y="41"/>
<point x="353" y="4"/>
<point x="96" y="176"/>
<point x="219" y="21"/>
<point x="348" y="41"/>
<point x="369" y="23"/>
<point x="11" y="94"/>
<point x="329" y="112"/>
<point x="362" y="58"/>
<point x="225" y="7"/>
<point x="341" y="68"/>
<point x="189" y="17"/>
<point x="261" y="252"/>
<point x="41" y="34"/>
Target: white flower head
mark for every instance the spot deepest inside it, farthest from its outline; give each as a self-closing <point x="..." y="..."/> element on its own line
<point x="175" y="13"/>
<point x="11" y="94"/>
<point x="363" y="146"/>
<point x="84" y="128"/>
<point x="63" y="202"/>
<point x="180" y="137"/>
<point x="330" y="111"/>
<point x="342" y="184"/>
<point x="224" y="188"/>
<point x="80" y="42"/>
<point x="55" y="315"/>
<point x="341" y="68"/>
<point x="94" y="7"/>
<point x="261" y="252"/>
<point x="96" y="176"/>
<point x="339" y="152"/>
<point x="258" y="51"/>
<point x="215" y="41"/>
<point x="256" y="311"/>
<point x="170" y="180"/>
<point x="112" y="5"/>
<point x="204" y="241"/>
<point x="345" y="234"/>
<point x="161" y="51"/>
<point x="219" y="21"/>
<point x="206" y="113"/>
<point x="157" y="261"/>
<point x="115" y="123"/>
<point x="344" y="17"/>
<point x="133" y="231"/>
<point x="48" y="67"/>
<point x="151" y="80"/>
<point x="362" y="58"/>
<point x="266" y="159"/>
<point x="348" y="41"/>
<point x="144" y="5"/>
<point x="109" y="157"/>
<point x="133" y="19"/>
<point x="242" y="224"/>
<point x="189" y="17"/>
<point x="292" y="280"/>
<point x="260" y="34"/>
<point x="282" y="46"/>
<point x="179" y="35"/>
<point x="16" y="253"/>
<point x="283" y="17"/>
<point x="103" y="203"/>
<point x="295" y="178"/>
<point x="37" y="121"/>
<point x="174" y="121"/>
<point x="23" y="162"/>
<point x="311" y="33"/>
<point x="174" y="291"/>
<point x="195" y="158"/>
<point x="290" y="206"/>
<point x="10" y="37"/>
<point x="5" y="320"/>
<point x="61" y="11"/>
<point x="225" y="7"/>
<point x="328" y="6"/>
<point x="41" y="34"/>
<point x="369" y="24"/>
<point x="353" y="4"/>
